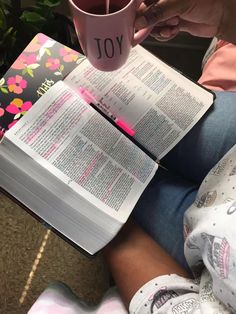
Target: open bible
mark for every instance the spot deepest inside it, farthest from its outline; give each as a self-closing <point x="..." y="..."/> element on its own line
<point x="70" y="164"/>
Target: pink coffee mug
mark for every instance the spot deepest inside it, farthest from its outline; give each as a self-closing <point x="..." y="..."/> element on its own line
<point x="106" y="39"/>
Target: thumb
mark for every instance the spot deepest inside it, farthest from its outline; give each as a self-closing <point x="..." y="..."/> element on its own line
<point x="160" y="11"/>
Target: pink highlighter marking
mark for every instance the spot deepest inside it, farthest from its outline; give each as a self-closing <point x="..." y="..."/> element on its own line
<point x="125" y="127"/>
<point x="88" y="97"/>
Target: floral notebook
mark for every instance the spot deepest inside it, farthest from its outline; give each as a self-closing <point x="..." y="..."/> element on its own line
<point x="43" y="62"/>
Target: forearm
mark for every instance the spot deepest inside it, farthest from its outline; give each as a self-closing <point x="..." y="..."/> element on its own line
<point x="134" y="258"/>
<point x="227" y="27"/>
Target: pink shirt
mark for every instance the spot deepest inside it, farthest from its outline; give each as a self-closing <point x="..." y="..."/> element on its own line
<point x="219" y="70"/>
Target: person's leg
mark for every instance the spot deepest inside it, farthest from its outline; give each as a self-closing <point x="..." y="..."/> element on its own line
<point x="207" y="142"/>
<point x="215" y="133"/>
<point x="161" y="208"/>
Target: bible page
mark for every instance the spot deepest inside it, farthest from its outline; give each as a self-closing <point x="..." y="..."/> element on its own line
<point x="156" y="101"/>
<point x="70" y="139"/>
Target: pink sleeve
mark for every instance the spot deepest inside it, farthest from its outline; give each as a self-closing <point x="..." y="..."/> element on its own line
<point x="219" y="72"/>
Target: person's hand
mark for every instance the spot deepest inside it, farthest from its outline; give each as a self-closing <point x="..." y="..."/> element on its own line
<point x="198" y="17"/>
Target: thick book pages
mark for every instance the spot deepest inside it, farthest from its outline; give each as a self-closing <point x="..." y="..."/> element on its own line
<point x="73" y="168"/>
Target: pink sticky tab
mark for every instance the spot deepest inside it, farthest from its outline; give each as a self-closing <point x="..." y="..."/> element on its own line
<point x="125" y="127"/>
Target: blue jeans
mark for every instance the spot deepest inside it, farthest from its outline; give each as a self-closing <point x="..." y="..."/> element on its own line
<point x="161" y="208"/>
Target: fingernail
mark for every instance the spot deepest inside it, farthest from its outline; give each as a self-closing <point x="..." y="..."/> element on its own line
<point x="141" y="22"/>
<point x="168" y="33"/>
<point x="173" y="21"/>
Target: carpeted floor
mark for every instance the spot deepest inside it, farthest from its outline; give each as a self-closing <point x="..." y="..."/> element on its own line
<point x="32" y="257"/>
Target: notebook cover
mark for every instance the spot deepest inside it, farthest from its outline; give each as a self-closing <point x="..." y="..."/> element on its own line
<point x="43" y="62"/>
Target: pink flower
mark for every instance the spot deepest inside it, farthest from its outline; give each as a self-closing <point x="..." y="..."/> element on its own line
<point x="12" y="124"/>
<point x="68" y="54"/>
<point x="53" y="64"/>
<point x="1" y="112"/>
<point x="36" y="43"/>
<point x="16" y="84"/>
<point x="2" y="131"/>
<point x="23" y="61"/>
<point x="17" y="106"/>
<point x="42" y="38"/>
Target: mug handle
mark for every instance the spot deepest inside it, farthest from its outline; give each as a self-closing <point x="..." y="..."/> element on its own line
<point x="141" y="35"/>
